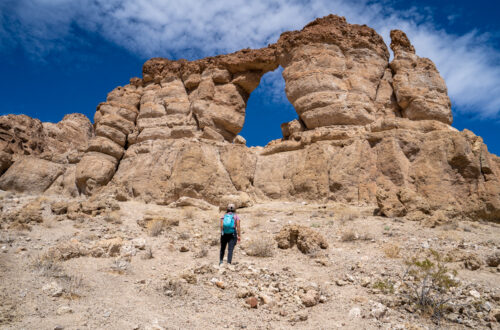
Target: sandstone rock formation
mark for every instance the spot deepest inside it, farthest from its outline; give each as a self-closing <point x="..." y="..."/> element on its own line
<point x="420" y="90"/>
<point x="34" y="155"/>
<point x="368" y="132"/>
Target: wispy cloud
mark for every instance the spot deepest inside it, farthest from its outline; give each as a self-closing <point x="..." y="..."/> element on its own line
<point x="193" y="29"/>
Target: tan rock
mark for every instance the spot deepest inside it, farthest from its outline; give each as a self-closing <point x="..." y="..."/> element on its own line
<point x="306" y="239"/>
<point x="339" y="86"/>
<point x="20" y="134"/>
<point x="30" y="174"/>
<point x="420" y="90"/>
<point x="93" y="171"/>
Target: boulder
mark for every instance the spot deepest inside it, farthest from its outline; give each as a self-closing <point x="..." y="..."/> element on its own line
<point x="307" y="240"/>
<point x="30" y="174"/>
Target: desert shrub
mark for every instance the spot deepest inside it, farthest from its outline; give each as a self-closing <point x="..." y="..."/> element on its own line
<point x="155" y="227"/>
<point x="385" y="286"/>
<point x="72" y="286"/>
<point x="427" y="283"/>
<point x="348" y="236"/>
<point x="148" y="254"/>
<point x="173" y="287"/>
<point x="351" y="235"/>
<point x="260" y="247"/>
<point x="184" y="236"/>
<point x="391" y="250"/>
<point x="347" y="214"/>
<point x="189" y="214"/>
<point x="201" y="253"/>
<point x="113" y="217"/>
<point x="119" y="266"/>
<point x="46" y="266"/>
<point x="315" y="225"/>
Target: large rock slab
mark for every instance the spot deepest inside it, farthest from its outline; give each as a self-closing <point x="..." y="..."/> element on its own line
<point x="30" y="174"/>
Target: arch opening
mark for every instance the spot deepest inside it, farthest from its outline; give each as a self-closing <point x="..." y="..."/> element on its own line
<point x="267" y="108"/>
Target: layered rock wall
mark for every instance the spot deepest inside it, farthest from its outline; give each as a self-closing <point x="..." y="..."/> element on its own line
<point x="369" y="132"/>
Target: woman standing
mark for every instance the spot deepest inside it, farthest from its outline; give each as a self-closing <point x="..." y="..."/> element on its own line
<point x="230" y="233"/>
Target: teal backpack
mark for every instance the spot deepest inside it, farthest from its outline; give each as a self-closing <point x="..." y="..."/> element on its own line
<point x="228" y="224"/>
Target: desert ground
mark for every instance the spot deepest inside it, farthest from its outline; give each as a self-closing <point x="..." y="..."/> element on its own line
<point x="70" y="264"/>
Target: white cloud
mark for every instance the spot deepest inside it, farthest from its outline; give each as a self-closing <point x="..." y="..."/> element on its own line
<point x="192" y="29"/>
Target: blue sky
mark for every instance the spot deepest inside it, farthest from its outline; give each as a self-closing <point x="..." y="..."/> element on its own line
<point x="64" y="56"/>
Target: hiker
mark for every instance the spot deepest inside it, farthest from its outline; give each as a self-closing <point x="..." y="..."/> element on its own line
<point x="230" y="233"/>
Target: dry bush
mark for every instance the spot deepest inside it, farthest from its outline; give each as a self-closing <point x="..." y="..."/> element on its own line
<point x="254" y="224"/>
<point x="155" y="227"/>
<point x="201" y="253"/>
<point x="391" y="251"/>
<point x="119" y="266"/>
<point x="348" y="236"/>
<point x="72" y="286"/>
<point x="261" y="213"/>
<point x="49" y="222"/>
<point x="347" y="214"/>
<point x="113" y="217"/>
<point x="260" y="247"/>
<point x="189" y="214"/>
<point x="184" y="236"/>
<point x="46" y="266"/>
<point x="148" y="254"/>
<point x="351" y="235"/>
<point x="173" y="287"/>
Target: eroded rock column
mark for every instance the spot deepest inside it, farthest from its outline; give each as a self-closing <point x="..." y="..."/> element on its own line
<point x="114" y="121"/>
<point x="420" y="90"/>
<point x="332" y="71"/>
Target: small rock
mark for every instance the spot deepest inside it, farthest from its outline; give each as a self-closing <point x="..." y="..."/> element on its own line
<point x="252" y="302"/>
<point x="355" y="312"/>
<point x="496" y="314"/>
<point x="341" y="282"/>
<point x="64" y="310"/>
<point x="266" y="299"/>
<point x="486" y="306"/>
<point x="58" y="327"/>
<point x="310" y="298"/>
<point x="243" y="293"/>
<point x="139" y="243"/>
<point x="220" y="285"/>
<point x="300" y="316"/>
<point x="473" y="262"/>
<point x="475" y="294"/>
<point x="184" y="249"/>
<point x="365" y="281"/>
<point x="494" y="259"/>
<point x="53" y="289"/>
<point x="378" y="311"/>
<point x="190" y="278"/>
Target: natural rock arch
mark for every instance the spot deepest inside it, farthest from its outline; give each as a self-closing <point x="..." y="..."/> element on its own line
<point x="369" y="132"/>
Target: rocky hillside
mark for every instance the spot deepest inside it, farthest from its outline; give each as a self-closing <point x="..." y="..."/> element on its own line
<point x="371" y="132"/>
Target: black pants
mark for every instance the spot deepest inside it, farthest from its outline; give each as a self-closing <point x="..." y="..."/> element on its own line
<point x="230" y="240"/>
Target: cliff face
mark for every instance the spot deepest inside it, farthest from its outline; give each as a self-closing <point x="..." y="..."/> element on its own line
<point x="369" y="132"/>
